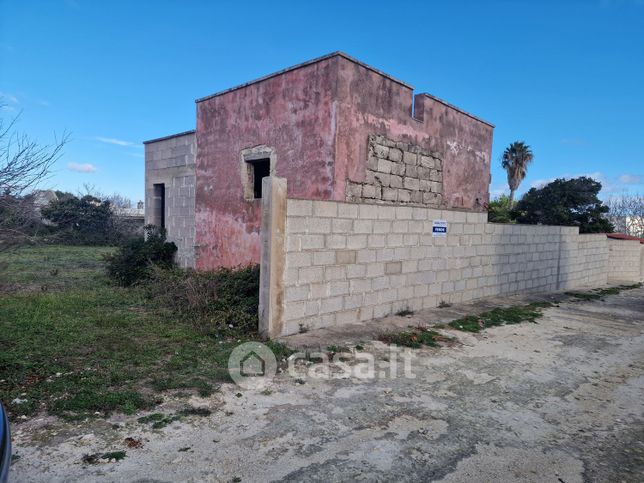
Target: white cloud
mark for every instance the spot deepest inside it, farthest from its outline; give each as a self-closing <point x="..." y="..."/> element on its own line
<point x="117" y="142"/>
<point x="630" y="179"/>
<point x="82" y="168"/>
<point x="9" y="98"/>
<point x="8" y="102"/>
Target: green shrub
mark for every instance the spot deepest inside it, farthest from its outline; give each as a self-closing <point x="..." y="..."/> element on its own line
<point x="134" y="261"/>
<point x="567" y="202"/>
<point x="224" y="301"/>
<point x="498" y="210"/>
<point x="82" y="221"/>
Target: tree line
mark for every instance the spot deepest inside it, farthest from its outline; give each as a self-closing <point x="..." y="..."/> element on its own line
<point x="567" y="202"/>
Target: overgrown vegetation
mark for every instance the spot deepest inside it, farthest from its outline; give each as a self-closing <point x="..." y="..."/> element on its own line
<point x="83" y="344"/>
<point x="136" y="259"/>
<point x="600" y="293"/>
<point x="218" y="302"/>
<point x="500" y="316"/>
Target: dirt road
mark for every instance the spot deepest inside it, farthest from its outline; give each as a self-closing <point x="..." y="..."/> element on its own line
<point x="557" y="401"/>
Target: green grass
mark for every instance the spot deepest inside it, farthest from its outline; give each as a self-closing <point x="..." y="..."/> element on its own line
<point x="500" y="316"/>
<point x="54" y="267"/>
<point x="600" y="293"/>
<point x="412" y="338"/>
<point x="83" y="345"/>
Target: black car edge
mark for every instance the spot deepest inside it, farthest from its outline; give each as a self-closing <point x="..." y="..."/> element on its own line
<point x="5" y="445"/>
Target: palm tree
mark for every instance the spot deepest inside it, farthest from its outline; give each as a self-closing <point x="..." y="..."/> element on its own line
<point x="515" y="160"/>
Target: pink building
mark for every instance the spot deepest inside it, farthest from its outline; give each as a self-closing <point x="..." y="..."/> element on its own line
<point x="336" y="129"/>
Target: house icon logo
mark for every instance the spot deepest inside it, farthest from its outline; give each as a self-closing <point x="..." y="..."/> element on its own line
<point x="252" y="365"/>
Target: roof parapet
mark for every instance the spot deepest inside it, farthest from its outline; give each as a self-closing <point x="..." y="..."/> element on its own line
<point x="452" y="106"/>
<point x="170" y="136"/>
<point x="299" y="66"/>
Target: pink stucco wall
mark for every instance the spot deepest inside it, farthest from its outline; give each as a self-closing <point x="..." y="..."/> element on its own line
<point x="370" y="103"/>
<point x="292" y="113"/>
<point x="317" y="118"/>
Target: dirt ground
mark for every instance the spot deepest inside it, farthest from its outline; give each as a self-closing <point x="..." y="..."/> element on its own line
<point x="557" y="401"/>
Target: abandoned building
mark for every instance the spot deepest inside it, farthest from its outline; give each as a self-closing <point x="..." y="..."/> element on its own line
<point x="323" y="125"/>
<point x="357" y="197"/>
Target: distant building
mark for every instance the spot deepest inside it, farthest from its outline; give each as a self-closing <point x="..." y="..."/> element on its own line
<point x="43" y="198"/>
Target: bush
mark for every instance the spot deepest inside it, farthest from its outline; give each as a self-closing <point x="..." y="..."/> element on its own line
<point x="82" y="221"/>
<point x="498" y="210"/>
<point x="568" y="202"/>
<point x="219" y="302"/>
<point x="135" y="260"/>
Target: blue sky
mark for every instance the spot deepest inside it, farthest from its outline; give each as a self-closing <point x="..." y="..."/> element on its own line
<point x="565" y="76"/>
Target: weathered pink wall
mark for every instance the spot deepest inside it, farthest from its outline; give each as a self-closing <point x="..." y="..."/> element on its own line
<point x="292" y="113"/>
<point x="466" y="145"/>
<point x="370" y="103"/>
<point x="317" y="117"/>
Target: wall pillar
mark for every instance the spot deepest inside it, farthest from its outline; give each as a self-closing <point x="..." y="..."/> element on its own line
<point x="272" y="265"/>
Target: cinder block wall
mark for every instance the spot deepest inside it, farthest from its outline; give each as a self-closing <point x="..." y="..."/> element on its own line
<point x="347" y="262"/>
<point x="624" y="260"/>
<point x="171" y="161"/>
<point x="584" y="260"/>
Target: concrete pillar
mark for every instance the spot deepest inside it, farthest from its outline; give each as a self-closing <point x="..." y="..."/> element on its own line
<point x="272" y="265"/>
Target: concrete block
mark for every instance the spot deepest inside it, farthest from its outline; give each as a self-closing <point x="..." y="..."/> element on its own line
<point x="324" y="258"/>
<point x="346" y="210"/>
<point x="325" y="208"/>
<point x="393" y="268"/>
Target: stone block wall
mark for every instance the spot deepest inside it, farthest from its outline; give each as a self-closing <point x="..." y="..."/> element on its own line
<point x="624" y="260"/>
<point x="584" y="261"/>
<point x="171" y="161"/>
<point x="399" y="172"/>
<point x="350" y="262"/>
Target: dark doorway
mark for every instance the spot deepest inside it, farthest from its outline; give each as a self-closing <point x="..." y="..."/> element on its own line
<point x="158" y="205"/>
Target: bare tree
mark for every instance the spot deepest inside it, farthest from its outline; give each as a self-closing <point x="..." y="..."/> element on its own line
<point x="117" y="200"/>
<point x="627" y="213"/>
<point x="24" y="163"/>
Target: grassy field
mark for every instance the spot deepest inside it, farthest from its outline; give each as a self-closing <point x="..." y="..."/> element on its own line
<point x="73" y="344"/>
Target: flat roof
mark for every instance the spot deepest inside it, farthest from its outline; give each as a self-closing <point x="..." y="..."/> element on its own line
<point x="351" y="59"/>
<point x="437" y="99"/>
<point x="305" y="64"/>
<point x="184" y="133"/>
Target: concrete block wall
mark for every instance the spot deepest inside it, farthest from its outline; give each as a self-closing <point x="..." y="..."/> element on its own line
<point x="399" y="172"/>
<point x="171" y="161"/>
<point x="584" y="260"/>
<point x="350" y="262"/>
<point x="347" y="262"/>
<point x="624" y="260"/>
